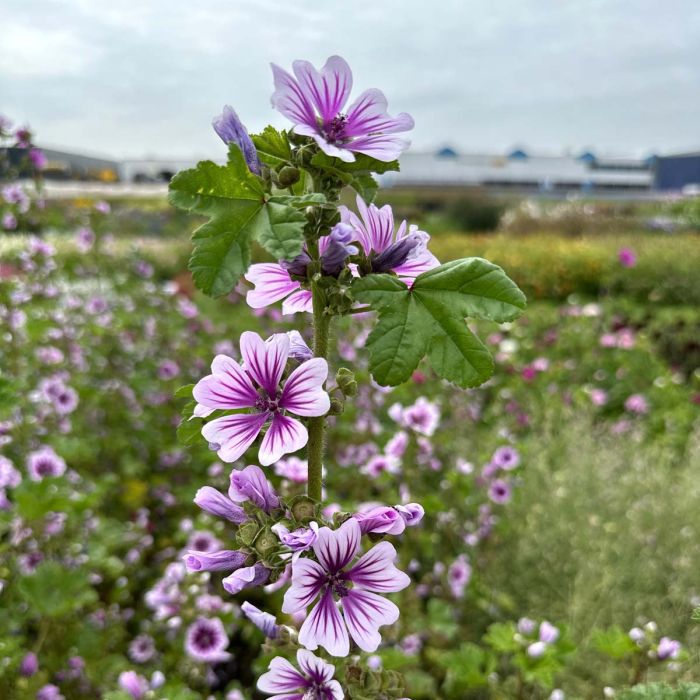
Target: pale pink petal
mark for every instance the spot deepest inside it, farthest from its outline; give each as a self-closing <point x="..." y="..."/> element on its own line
<point x="228" y="387"/>
<point x="332" y="150"/>
<point x="329" y="89"/>
<point x="336" y="548"/>
<point x="318" y="670"/>
<point x="297" y="301"/>
<point x="234" y="434"/>
<point x="364" y="614"/>
<point x="289" y="98"/>
<point x="303" y="392"/>
<point x="281" y="677"/>
<point x="265" y="361"/>
<point x="367" y="115"/>
<point x="325" y="627"/>
<point x="420" y="264"/>
<point x="383" y="147"/>
<point x="284" y="435"/>
<point x="272" y="283"/>
<point x="375" y="570"/>
<point x="308" y="577"/>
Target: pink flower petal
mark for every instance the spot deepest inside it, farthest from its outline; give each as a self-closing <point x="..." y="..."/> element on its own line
<point x="368" y="115"/>
<point x="284" y="435"/>
<point x="336" y="548"/>
<point x="325" y="627"/>
<point x="328" y="89"/>
<point x="303" y="392"/>
<point x="364" y="614"/>
<point x="308" y="577"/>
<point x="227" y="387"/>
<point x="234" y="434"/>
<point x="297" y="301"/>
<point x="383" y="147"/>
<point x="272" y="283"/>
<point x="281" y="677"/>
<point x="289" y="98"/>
<point x="265" y="361"/>
<point x="375" y="570"/>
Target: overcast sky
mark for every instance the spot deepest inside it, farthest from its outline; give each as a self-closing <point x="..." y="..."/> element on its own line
<point x="132" y="79"/>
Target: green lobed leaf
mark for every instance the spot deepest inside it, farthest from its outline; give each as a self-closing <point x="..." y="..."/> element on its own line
<point x="272" y="146"/>
<point x="54" y="590"/>
<point x="429" y="319"/>
<point x="361" y="164"/>
<point x="239" y="210"/>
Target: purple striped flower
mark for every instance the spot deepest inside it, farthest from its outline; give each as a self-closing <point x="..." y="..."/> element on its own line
<point x="250" y="484"/>
<point x="206" y="640"/>
<point x="314" y="680"/>
<point x="315" y="102"/>
<point x="403" y="251"/>
<point x="215" y="503"/>
<point x="273" y="281"/>
<point x="265" y="622"/>
<point x="45" y="463"/>
<point x="221" y="560"/>
<point x="355" y="586"/>
<point x="231" y="130"/>
<point x="247" y="577"/>
<point x="231" y="386"/>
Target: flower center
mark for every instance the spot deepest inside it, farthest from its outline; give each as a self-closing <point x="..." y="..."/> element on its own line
<point x="335" y="129"/>
<point x="266" y="403"/>
<point x="315" y="692"/>
<point x="338" y="584"/>
<point x="205" y="639"/>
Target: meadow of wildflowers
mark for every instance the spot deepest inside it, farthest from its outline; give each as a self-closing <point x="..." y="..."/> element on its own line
<point x="311" y="478"/>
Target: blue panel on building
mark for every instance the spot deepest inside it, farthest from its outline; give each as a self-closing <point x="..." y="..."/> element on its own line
<point x="675" y="172"/>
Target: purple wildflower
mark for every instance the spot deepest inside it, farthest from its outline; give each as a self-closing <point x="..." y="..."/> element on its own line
<point x="9" y="476"/>
<point x="44" y="463"/>
<point x="230" y="386"/>
<point x="38" y="158"/>
<point x="250" y="484"/>
<point x="536" y="649"/>
<point x="221" y="560"/>
<point x="381" y="520"/>
<point x="273" y="281"/>
<point x="206" y="640"/>
<point x="49" y="692"/>
<point x="637" y="404"/>
<point x="548" y="632"/>
<point x="247" y="577"/>
<point x="29" y="665"/>
<point x="458" y="575"/>
<point x="265" y="622"/>
<point x="315" y="102"/>
<point x="142" y="649"/>
<point x="404" y="252"/>
<point x="298" y="540"/>
<point x="215" y="503"/>
<point x="668" y="649"/>
<point x="500" y="491"/>
<point x="506" y="458"/>
<point x="313" y="682"/>
<point x="356" y="588"/>
<point x="526" y="625"/>
<point x="130" y="682"/>
<point x="627" y="257"/>
<point x="293" y="469"/>
<point x="231" y="130"/>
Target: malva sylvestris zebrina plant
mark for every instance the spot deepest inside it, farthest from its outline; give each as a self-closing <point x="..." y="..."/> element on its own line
<point x="281" y="189"/>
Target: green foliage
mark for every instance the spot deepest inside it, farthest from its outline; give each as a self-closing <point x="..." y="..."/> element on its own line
<point x="240" y="211"/>
<point x="273" y="147"/>
<point x="661" y="691"/>
<point x="53" y="590"/>
<point x="429" y="318"/>
<point x="614" y="642"/>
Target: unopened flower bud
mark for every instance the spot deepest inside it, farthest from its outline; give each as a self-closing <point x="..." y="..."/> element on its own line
<point x="288" y="176"/>
<point x="345" y="379"/>
<point x="247" y="533"/>
<point x="337" y="407"/>
<point x="266" y="542"/>
<point x="303" y="509"/>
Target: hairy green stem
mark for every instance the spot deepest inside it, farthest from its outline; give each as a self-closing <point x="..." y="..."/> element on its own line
<point x="317" y="426"/>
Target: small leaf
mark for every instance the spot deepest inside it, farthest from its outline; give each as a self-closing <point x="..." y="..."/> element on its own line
<point x="272" y="146"/>
<point x="361" y="164"/>
<point x="429" y="319"/>
<point x="54" y="590"/>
